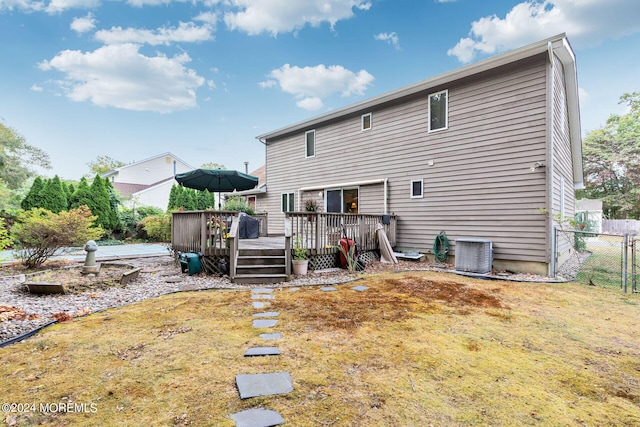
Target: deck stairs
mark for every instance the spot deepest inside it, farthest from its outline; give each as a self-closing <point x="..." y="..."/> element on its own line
<point x="257" y="266"/>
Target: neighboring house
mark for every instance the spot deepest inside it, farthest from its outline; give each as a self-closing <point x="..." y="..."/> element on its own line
<point x="485" y="151"/>
<point x="148" y="182"/>
<point x="256" y="196"/>
<point x="589" y="212"/>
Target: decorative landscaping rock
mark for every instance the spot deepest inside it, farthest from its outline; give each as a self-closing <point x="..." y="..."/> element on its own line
<point x="130" y="276"/>
<point x="45" y="288"/>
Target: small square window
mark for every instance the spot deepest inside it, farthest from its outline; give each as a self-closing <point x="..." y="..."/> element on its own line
<point x="438" y="111"/>
<point x="366" y="121"/>
<point x="416" y="189"/>
<point x="310" y="143"/>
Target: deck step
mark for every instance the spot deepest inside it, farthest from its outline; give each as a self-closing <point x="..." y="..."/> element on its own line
<point x="260" y="260"/>
<point x="256" y="266"/>
<point x="261" y="269"/>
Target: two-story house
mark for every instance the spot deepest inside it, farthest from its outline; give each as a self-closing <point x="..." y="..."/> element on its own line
<point x="148" y="182"/>
<point x="491" y="150"/>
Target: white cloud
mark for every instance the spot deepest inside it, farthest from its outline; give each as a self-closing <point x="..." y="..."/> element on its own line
<point x="53" y="6"/>
<point x="56" y="6"/>
<point x="310" y="104"/>
<point x="120" y="76"/>
<point x="584" y="96"/>
<point x="586" y="22"/>
<point x="36" y="88"/>
<point x="185" y="32"/>
<point x="282" y="16"/>
<point x="84" y="24"/>
<point x="391" y="38"/>
<point x="207" y="17"/>
<point x="311" y="84"/>
<point x="27" y="5"/>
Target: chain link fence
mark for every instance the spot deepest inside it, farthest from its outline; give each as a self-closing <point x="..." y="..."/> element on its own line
<point x="604" y="260"/>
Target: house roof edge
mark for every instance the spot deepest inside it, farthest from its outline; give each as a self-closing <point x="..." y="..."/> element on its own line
<point x="458" y="73"/>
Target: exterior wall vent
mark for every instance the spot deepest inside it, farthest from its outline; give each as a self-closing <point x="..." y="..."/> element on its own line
<point x="474" y="255"/>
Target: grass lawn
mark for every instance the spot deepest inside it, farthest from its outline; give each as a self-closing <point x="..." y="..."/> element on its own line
<point x="416" y="349"/>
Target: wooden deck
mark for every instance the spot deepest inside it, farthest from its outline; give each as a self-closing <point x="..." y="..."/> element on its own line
<point x="214" y="234"/>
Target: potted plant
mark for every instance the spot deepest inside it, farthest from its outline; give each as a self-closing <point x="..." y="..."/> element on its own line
<point x="310" y="205"/>
<point x="300" y="261"/>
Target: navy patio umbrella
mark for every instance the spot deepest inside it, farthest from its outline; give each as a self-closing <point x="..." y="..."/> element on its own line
<point x="217" y="180"/>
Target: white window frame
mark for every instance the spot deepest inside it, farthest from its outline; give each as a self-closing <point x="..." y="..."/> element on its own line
<point x="421" y="195"/>
<point x="306" y="143"/>
<point x="289" y="195"/>
<point x="446" y="110"/>
<point x="362" y="128"/>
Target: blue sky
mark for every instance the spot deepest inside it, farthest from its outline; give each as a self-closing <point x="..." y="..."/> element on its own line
<point x="133" y="79"/>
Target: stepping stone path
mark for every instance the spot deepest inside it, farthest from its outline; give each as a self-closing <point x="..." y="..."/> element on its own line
<point x="254" y="385"/>
<point x="257" y="417"/>
<point x="264" y="323"/>
<point x="275" y="336"/>
<point x="262" y="351"/>
<point x="267" y="314"/>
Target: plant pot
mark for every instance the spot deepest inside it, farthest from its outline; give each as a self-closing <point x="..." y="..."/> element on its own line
<point x="300" y="267"/>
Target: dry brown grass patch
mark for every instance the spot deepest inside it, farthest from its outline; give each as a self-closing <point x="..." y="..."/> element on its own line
<point x="414" y="349"/>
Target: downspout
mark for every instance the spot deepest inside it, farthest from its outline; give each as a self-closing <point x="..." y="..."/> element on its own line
<point x="385" y="201"/>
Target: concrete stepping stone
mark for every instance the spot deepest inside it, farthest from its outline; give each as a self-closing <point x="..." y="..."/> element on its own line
<point x="267" y="314"/>
<point x="259" y="304"/>
<point x="294" y="289"/>
<point x="264" y="323"/>
<point x="360" y="288"/>
<point x="262" y="296"/>
<point x="254" y="385"/>
<point x="257" y="417"/>
<point x="262" y="351"/>
<point x="261" y="290"/>
<point x="275" y="336"/>
<point x="328" y="289"/>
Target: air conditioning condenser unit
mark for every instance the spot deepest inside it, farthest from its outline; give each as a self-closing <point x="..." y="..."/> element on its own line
<point x="474" y="255"/>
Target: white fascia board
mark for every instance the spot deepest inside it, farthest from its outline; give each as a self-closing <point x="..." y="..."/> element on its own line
<point x="563" y="51"/>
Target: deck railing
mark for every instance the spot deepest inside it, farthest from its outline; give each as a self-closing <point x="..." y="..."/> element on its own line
<point x="320" y="233"/>
<point x="201" y="231"/>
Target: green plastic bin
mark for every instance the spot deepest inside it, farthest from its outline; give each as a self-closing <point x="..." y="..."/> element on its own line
<point x="190" y="262"/>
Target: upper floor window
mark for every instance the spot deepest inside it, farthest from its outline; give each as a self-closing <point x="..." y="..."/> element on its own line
<point x="416" y="189"/>
<point x="366" y="121"/>
<point x="310" y="140"/>
<point x="438" y="110"/>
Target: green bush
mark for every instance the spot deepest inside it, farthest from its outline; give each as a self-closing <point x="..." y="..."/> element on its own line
<point x="158" y="227"/>
<point x="238" y="203"/>
<point x="5" y="238"/>
<point x="129" y="219"/>
<point x="42" y="233"/>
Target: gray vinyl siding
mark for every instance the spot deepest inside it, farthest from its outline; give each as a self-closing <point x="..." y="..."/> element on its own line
<point x="479" y="185"/>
